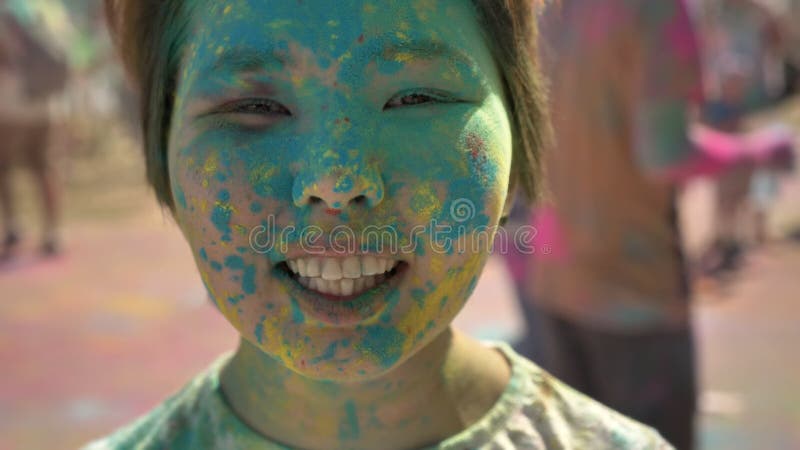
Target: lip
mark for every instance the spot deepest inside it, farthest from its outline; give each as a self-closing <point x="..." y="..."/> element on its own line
<point x="333" y="253"/>
<point x="338" y="311"/>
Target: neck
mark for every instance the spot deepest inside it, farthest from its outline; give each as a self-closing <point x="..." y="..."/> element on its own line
<point x="433" y="395"/>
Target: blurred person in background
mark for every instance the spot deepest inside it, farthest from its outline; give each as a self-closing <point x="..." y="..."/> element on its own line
<point x="29" y="76"/>
<point x="609" y="287"/>
<point x="745" y="58"/>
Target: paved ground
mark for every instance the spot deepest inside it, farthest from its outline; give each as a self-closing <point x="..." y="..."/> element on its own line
<point x="100" y="334"/>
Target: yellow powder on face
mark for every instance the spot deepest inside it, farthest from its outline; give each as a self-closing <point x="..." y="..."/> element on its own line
<point x="402" y="57"/>
<point x="425" y="203"/>
<point x="262" y="174"/>
<point x="211" y="164"/>
<point x="242" y="230"/>
<point x="450" y="287"/>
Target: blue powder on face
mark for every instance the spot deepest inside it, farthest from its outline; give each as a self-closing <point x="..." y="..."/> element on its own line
<point x="344" y="185"/>
<point x="216" y="266"/>
<point x="385" y="343"/>
<point x="203" y="254"/>
<point x="249" y="280"/>
<point x="234" y="262"/>
<point x="181" y="197"/>
<point x="419" y="296"/>
<point x="256" y="207"/>
<point x="259" y="330"/>
<point x="328" y="354"/>
<point x="297" y="314"/>
<point x="221" y="218"/>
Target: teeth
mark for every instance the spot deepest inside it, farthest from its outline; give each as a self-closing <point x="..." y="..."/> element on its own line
<point x="369" y="265"/>
<point x="331" y="269"/>
<point x="346" y="286"/>
<point x="351" y="267"/>
<point x="313" y="267"/>
<point x="341" y="276"/>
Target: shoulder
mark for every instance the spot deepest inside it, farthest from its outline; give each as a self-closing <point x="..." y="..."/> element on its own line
<point x="564" y="418"/>
<point x="186" y="420"/>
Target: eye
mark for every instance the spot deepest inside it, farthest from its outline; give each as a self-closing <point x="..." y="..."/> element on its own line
<point x="250" y="113"/>
<point x="414" y="98"/>
<point x="258" y="106"/>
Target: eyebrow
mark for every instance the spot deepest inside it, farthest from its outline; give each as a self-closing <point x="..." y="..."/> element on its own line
<point x="426" y="49"/>
<point x="248" y="59"/>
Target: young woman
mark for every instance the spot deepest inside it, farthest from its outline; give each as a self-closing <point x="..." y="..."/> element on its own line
<point x="332" y="168"/>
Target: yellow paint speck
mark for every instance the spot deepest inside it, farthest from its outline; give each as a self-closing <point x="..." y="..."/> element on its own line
<point x="403" y="57"/>
<point x="211" y="164"/>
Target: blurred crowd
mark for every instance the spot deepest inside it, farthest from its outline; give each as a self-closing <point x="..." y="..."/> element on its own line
<point x="61" y="89"/>
<point x="646" y="97"/>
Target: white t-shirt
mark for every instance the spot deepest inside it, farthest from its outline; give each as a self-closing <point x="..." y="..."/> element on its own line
<point x="535" y="411"/>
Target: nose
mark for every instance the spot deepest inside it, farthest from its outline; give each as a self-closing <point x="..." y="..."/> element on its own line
<point x="339" y="188"/>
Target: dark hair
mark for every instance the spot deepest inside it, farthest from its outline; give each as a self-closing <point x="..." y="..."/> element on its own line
<point x="149" y="35"/>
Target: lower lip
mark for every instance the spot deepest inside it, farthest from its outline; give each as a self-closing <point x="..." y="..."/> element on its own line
<point x="341" y="311"/>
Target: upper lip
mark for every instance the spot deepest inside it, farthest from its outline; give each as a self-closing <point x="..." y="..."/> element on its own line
<point x="330" y="253"/>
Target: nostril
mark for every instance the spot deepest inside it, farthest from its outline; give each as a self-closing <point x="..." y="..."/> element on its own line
<point x="314" y="200"/>
<point x="359" y="200"/>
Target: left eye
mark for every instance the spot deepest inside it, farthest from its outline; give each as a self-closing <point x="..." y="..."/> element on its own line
<point x="416" y="98"/>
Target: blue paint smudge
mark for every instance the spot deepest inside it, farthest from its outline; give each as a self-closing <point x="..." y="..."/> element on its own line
<point x="328" y="354"/>
<point x="349" y="429"/>
<point x="249" y="280"/>
<point x="234" y="262"/>
<point x="259" y="331"/>
<point x="384" y="343"/>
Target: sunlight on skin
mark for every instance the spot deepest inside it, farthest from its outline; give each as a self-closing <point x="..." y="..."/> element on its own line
<point x="279" y="101"/>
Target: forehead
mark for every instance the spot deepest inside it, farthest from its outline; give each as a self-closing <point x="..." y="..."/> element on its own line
<point x="228" y="32"/>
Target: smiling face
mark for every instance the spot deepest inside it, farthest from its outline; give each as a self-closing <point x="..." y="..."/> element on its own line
<point x="317" y="157"/>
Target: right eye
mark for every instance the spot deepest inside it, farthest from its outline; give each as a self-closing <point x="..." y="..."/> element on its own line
<point x="252" y="112"/>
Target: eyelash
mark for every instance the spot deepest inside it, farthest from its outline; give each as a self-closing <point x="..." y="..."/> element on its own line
<point x="257" y="106"/>
<point x="412" y="98"/>
<point x="265" y="107"/>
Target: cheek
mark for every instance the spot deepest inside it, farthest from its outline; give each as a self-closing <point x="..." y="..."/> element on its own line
<point x="456" y="168"/>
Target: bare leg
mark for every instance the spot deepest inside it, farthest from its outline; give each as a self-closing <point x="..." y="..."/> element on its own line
<point x="45" y="178"/>
<point x="47" y="183"/>
<point x="10" y="236"/>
